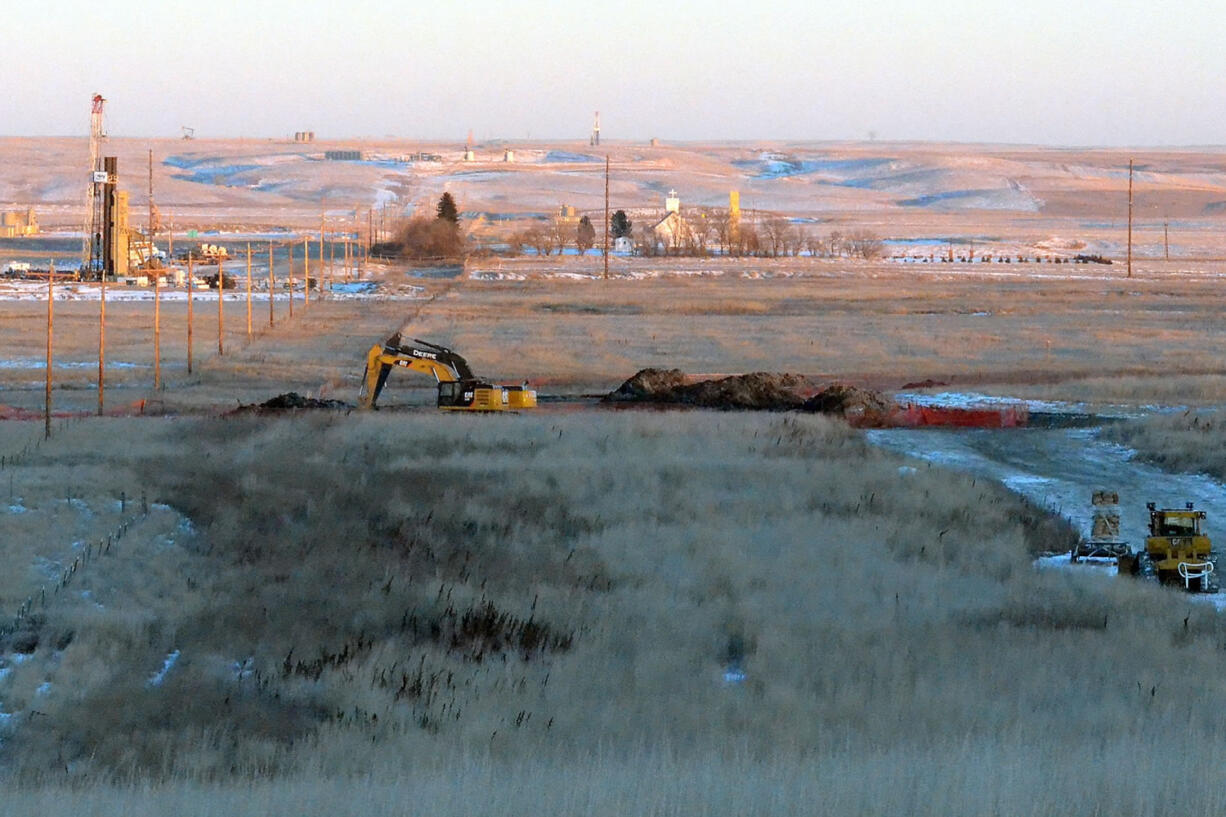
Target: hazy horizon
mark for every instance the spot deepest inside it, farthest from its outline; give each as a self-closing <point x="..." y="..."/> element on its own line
<point x="1046" y="74"/>
<point x="748" y="141"/>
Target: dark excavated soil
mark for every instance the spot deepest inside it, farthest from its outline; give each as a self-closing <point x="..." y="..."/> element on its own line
<point x="291" y="401"/>
<point x="763" y="391"/>
<point x="757" y="391"/>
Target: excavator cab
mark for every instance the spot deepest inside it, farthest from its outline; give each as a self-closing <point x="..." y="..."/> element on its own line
<point x="451" y="393"/>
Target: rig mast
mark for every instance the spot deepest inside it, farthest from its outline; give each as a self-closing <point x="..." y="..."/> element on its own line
<point x="91" y="249"/>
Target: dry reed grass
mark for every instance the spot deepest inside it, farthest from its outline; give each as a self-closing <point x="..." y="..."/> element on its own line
<point x="339" y="654"/>
<point x="1193" y="441"/>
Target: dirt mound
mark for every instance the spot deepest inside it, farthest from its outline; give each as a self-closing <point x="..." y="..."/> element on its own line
<point x="757" y="390"/>
<point x="760" y="391"/>
<point x="648" y="385"/>
<point x="763" y="391"/>
<point x="861" y="407"/>
<point x="291" y="401"/>
<point x="924" y="384"/>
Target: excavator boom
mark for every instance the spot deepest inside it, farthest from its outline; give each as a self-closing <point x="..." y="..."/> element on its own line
<point x="458" y="387"/>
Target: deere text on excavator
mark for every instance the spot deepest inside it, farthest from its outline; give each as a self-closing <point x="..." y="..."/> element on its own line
<point x="458" y="388"/>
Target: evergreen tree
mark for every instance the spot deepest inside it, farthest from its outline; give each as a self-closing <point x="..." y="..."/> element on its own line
<point x="620" y="225"/>
<point x="447" y="210"/>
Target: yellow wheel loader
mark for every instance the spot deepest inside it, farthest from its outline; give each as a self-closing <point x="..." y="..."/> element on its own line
<point x="458" y="388"/>
<point x="1177" y="551"/>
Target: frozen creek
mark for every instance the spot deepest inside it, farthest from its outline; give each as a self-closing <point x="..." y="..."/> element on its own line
<point x="1060" y="468"/>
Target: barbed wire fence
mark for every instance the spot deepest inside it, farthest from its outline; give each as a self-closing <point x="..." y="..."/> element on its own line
<point x="21" y="456"/>
<point x="92" y="551"/>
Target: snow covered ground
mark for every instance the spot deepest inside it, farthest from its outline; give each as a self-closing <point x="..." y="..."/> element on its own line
<point x="38" y="364"/>
<point x="970" y="399"/>
<point x="973" y="400"/>
<point x="519" y="273"/>
<point x="16" y="290"/>
<point x="54" y="532"/>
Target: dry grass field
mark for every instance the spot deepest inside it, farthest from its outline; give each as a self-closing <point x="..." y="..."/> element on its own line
<point x="495" y="615"/>
<point x="1190" y="440"/>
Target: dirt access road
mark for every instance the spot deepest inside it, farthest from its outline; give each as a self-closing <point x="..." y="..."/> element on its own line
<point x="1060" y="468"/>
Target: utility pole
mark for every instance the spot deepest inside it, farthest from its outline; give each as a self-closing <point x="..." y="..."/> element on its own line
<point x="190" y="286"/>
<point x="291" y="279"/>
<point x="306" y="272"/>
<point x="272" y="287"/>
<point x="606" y="216"/>
<point x="157" y="329"/>
<point x="151" y="207"/>
<point x="151" y="230"/>
<point x="1130" y="218"/>
<point x="157" y="289"/>
<point x="221" y="290"/>
<point x="1166" y="239"/>
<point x="322" y="270"/>
<point x="50" y="316"/>
<point x="248" y="291"/>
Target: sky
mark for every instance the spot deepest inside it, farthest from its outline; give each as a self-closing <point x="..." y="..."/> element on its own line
<point x="1054" y="72"/>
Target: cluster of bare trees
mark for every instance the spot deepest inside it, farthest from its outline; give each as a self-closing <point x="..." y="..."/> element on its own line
<point x="857" y="244"/>
<point x="423" y="238"/>
<point x="701" y="232"/>
<point x="545" y="239"/>
<point x="429" y="238"/>
<point x="555" y="236"/>
<point x="716" y="231"/>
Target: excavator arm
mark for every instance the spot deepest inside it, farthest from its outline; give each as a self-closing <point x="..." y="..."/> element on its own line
<point x="428" y="358"/>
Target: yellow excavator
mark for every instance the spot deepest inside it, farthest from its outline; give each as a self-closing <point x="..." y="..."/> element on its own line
<point x="458" y="388"/>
